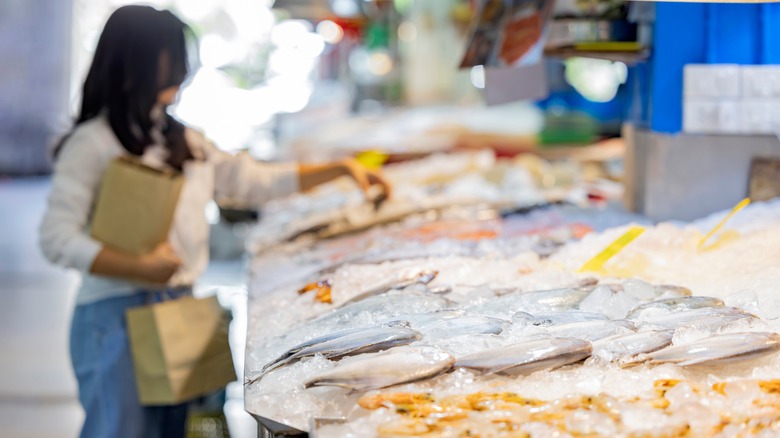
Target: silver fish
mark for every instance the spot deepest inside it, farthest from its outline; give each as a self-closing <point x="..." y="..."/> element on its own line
<point x="348" y="344"/>
<point x="677" y="304"/>
<point x="382" y="307"/>
<point x="363" y="314"/>
<point x="718" y="350"/>
<point x="389" y="368"/>
<point x="533" y="302"/>
<point x="423" y="277"/>
<point x="557" y="318"/>
<point x="465" y="325"/>
<point x="422" y="320"/>
<point x="528" y="356"/>
<point x="592" y="330"/>
<point x="662" y="291"/>
<point x="621" y="347"/>
<point x="713" y="316"/>
<point x="309" y="343"/>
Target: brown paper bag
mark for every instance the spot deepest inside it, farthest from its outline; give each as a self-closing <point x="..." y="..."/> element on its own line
<point x="180" y="350"/>
<point x="135" y="207"/>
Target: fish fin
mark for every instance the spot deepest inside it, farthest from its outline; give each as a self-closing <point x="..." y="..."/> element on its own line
<point x="250" y="382"/>
<point x="398" y="324"/>
<point x="634" y="361"/>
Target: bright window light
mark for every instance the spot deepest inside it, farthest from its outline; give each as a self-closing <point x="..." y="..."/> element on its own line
<point x="331" y="32"/>
<point x="597" y="80"/>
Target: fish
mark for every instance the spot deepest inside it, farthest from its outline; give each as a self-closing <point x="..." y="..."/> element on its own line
<point x="464" y="325"/>
<point x="423" y="277"/>
<point x="533" y="302"/>
<point x="377" y="308"/>
<point x="676" y="305"/>
<point x="364" y="314"/>
<point x="711" y="316"/>
<point x="592" y="330"/>
<point x="528" y="356"/>
<point x="557" y="318"/>
<point x="422" y="320"/>
<point x="621" y="347"/>
<point x="347" y="343"/>
<point x="389" y="368"/>
<point x="717" y="350"/>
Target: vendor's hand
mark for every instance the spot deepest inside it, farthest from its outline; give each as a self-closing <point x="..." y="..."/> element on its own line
<point x="366" y="178"/>
<point x="159" y="266"/>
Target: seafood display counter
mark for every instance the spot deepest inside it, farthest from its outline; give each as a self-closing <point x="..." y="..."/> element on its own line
<point x="471" y="323"/>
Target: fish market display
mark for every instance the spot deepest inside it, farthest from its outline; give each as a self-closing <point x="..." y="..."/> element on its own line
<point x="462" y="336"/>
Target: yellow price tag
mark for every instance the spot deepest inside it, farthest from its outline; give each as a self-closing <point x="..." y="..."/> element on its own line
<point x="372" y="159"/>
<point x="597" y="262"/>
<point x="742" y="204"/>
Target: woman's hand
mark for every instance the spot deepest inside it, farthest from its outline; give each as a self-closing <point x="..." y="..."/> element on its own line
<point x="159" y="266"/>
<point x="155" y="268"/>
<point x="366" y="178"/>
<point x="312" y="175"/>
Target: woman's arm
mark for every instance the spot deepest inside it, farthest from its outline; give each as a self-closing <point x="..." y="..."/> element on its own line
<point x="241" y="179"/>
<point x="155" y="268"/>
<point x="312" y="175"/>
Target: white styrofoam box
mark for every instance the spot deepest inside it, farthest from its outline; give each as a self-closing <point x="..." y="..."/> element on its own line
<point x="757" y="116"/>
<point x="710" y="116"/>
<point x="774" y="115"/>
<point x="712" y="80"/>
<point x="761" y="81"/>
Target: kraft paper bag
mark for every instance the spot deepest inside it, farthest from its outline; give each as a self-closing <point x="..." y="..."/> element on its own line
<point x="135" y="206"/>
<point x="180" y="350"/>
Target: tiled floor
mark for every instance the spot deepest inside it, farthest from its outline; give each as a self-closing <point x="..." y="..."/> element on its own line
<point x="37" y="389"/>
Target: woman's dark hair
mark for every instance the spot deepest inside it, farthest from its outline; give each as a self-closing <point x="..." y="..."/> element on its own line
<point x="141" y="52"/>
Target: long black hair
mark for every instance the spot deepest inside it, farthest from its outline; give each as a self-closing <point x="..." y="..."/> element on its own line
<point x="141" y="52"/>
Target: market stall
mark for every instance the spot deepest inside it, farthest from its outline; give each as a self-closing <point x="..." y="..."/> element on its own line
<point x="487" y="335"/>
<point x="469" y="314"/>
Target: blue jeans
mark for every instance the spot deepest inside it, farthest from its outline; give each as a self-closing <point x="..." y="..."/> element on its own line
<point x="101" y="357"/>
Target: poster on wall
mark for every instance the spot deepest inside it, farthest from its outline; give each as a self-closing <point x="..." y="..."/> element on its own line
<point x="508" y="33"/>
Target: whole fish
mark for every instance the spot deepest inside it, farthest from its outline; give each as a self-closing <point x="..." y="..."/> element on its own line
<point x="366" y="313"/>
<point x="309" y="343"/>
<point x="464" y="325"/>
<point x="676" y="305"/>
<point x="592" y="330"/>
<point x="349" y="343"/>
<point x="718" y="350"/>
<point x="622" y="347"/>
<point x="557" y="318"/>
<point x="712" y="316"/>
<point x="542" y="301"/>
<point x="422" y="320"/>
<point x="527" y="356"/>
<point x="423" y="277"/>
<point x="389" y="368"/>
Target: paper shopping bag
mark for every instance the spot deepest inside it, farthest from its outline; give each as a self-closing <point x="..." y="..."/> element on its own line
<point x="135" y="206"/>
<point x="180" y="350"/>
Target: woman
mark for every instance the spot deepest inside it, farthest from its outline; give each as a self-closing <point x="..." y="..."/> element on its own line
<point x="139" y="65"/>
